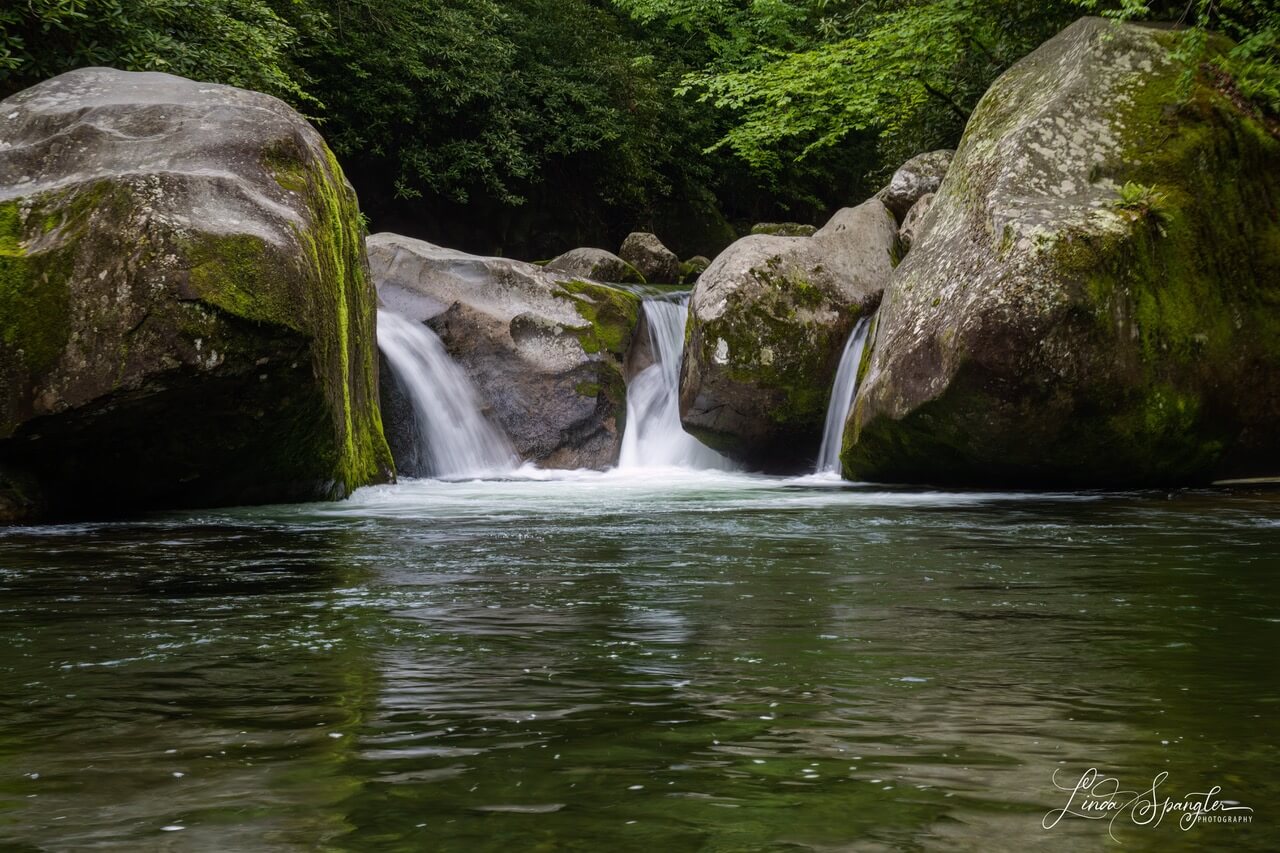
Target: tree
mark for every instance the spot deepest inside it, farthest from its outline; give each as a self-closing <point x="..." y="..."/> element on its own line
<point x="241" y="42"/>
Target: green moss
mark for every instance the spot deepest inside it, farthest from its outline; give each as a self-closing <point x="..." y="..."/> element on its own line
<point x="34" y="297"/>
<point x="772" y="349"/>
<point x="1169" y="315"/>
<point x="342" y="308"/>
<point x="229" y="271"/>
<point x="611" y="315"/>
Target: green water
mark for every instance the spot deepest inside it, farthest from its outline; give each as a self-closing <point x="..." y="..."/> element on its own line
<point x="658" y="663"/>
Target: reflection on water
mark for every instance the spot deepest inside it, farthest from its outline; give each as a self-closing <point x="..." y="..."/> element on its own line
<point x="657" y="661"/>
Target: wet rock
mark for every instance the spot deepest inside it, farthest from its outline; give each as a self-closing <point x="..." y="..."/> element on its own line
<point x="767" y="322"/>
<point x="186" y="317"/>
<point x="545" y="350"/>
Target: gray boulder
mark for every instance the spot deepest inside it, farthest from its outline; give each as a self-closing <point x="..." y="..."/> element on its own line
<point x="186" y="317"/>
<point x="545" y="350"/>
<point x="910" y="229"/>
<point x="596" y="264"/>
<point x="645" y="252"/>
<point x="917" y="177"/>
<point x="784" y="229"/>
<point x="1096" y="299"/>
<point x="767" y="323"/>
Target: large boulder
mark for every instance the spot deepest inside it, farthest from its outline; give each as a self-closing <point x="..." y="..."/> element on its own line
<point x="1096" y="300"/>
<point x="645" y="252"/>
<point x="917" y="177"/>
<point x="596" y="264"/>
<point x="767" y="323"/>
<point x="186" y="317"/>
<point x="545" y="350"/>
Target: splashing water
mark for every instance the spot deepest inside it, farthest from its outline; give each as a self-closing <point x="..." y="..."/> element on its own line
<point x="842" y="394"/>
<point x="653" y="436"/>
<point x="454" y="436"/>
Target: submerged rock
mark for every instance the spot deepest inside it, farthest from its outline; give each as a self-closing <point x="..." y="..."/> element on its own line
<point x="186" y="317"/>
<point x="1096" y="301"/>
<point x="645" y="252"/>
<point x="596" y="264"/>
<point x="545" y="350"/>
<point x="784" y="229"/>
<point x="767" y="323"/>
<point x="917" y="177"/>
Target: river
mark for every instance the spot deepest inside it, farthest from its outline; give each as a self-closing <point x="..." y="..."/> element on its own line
<point x="653" y="660"/>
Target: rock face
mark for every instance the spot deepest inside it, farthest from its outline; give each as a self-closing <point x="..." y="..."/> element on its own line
<point x="645" y="252"/>
<point x="1052" y="326"/>
<point x="596" y="264"/>
<point x="545" y="350"/>
<point x="920" y="175"/>
<point x="911" y="224"/>
<point x="186" y="317"/>
<point x="767" y="323"/>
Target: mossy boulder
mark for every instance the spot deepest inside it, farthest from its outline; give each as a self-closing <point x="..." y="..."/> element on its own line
<point x="767" y="323"/>
<point x="546" y="350"/>
<point x="691" y="269"/>
<point x="1096" y="299"/>
<point x="645" y="252"/>
<point x="596" y="264"/>
<point x="784" y="229"/>
<point x="186" y="316"/>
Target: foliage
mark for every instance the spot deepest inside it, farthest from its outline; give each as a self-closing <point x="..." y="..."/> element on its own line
<point x="241" y="42"/>
<point x="1144" y="202"/>
<point x="799" y="76"/>
<point x="1252" y="64"/>
<point x="529" y="125"/>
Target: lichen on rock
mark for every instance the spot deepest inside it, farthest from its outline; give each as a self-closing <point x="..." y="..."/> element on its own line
<point x="181" y="322"/>
<point x="767" y="322"/>
<point x="1045" y="331"/>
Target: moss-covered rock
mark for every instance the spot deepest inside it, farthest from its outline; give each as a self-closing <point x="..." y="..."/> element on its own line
<point x="545" y="349"/>
<point x="767" y="322"/>
<point x="1096" y="299"/>
<point x="784" y="229"/>
<point x="691" y="269"/>
<point x="186" y="316"/>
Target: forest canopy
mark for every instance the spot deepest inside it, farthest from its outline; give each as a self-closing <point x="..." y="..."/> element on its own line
<point x="528" y="126"/>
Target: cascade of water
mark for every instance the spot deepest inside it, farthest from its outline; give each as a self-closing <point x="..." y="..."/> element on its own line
<point x="454" y="437"/>
<point x="653" y="436"/>
<point x="842" y="393"/>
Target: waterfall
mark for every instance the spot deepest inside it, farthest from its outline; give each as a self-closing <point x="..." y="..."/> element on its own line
<point x="842" y="393"/>
<point x="454" y="438"/>
<point x="653" y="436"/>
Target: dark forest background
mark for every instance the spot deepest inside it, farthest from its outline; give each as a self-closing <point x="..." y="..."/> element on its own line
<point x="528" y="127"/>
